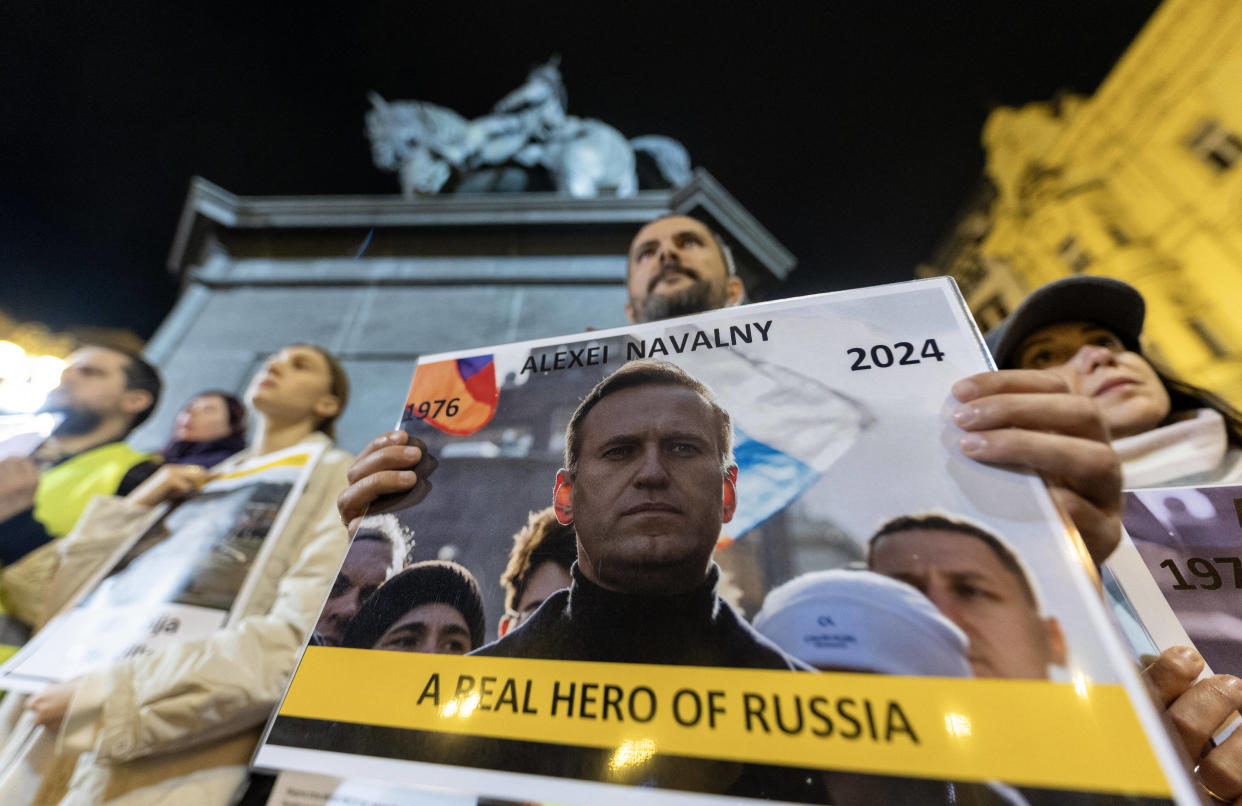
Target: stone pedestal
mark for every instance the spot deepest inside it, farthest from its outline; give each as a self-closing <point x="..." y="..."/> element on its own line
<point x="380" y="280"/>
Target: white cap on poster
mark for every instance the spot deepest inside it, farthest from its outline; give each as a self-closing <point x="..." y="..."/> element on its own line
<point x="859" y="620"/>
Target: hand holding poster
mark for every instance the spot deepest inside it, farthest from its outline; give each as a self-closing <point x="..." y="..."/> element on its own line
<point x="176" y="580"/>
<point x="971" y="662"/>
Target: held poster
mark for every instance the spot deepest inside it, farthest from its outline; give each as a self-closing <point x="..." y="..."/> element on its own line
<point x="1184" y="578"/>
<point x="1001" y="682"/>
<point x="176" y="580"/>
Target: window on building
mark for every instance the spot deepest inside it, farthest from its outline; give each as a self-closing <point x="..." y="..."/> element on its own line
<point x="1215" y="344"/>
<point x="970" y="274"/>
<point x="1215" y="145"/>
<point x="1119" y="236"/>
<point x="1075" y="257"/>
<point x="990" y="313"/>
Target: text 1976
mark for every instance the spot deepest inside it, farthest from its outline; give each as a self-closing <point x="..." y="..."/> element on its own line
<point x="1206" y="571"/>
<point x="432" y="409"/>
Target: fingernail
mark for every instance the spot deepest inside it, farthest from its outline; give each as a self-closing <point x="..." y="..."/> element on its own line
<point x="411" y="453"/>
<point x="972" y="443"/>
<point x="406" y="476"/>
<point x="965" y="389"/>
<point x="965" y="415"/>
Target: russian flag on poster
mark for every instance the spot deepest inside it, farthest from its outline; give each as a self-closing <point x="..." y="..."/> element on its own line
<point x="458" y="396"/>
<point x="788" y="429"/>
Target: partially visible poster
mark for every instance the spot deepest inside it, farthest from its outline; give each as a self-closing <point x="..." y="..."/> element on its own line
<point x="176" y="580"/>
<point x="964" y="652"/>
<point x="306" y="789"/>
<point x="1187" y="552"/>
<point x="20" y="434"/>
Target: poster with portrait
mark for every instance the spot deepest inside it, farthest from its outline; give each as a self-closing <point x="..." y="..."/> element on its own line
<point x="1181" y="569"/>
<point x="750" y="494"/>
<point x="176" y="580"/>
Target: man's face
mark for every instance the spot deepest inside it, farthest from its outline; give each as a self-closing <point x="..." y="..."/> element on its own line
<point x="434" y="628"/>
<point x="94" y="383"/>
<point x="365" y="568"/>
<point x="675" y="268"/>
<point x="544" y="580"/>
<point x="649" y="495"/>
<point x="965" y="579"/>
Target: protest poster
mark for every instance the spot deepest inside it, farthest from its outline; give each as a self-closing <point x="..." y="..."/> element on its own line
<point x="20" y="434"/>
<point x="176" y="580"/>
<point x="1181" y="569"/>
<point x="846" y="459"/>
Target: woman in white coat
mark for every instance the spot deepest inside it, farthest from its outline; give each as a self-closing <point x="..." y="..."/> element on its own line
<point x="179" y="725"/>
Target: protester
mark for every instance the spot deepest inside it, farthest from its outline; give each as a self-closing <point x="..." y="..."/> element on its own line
<point x="432" y="606"/>
<point x="104" y="394"/>
<point x="210" y="428"/>
<point x="846" y="620"/>
<point x="543" y="552"/>
<point x="378" y="551"/>
<point x="180" y="725"/>
<point x="1086" y="330"/>
<point x="677" y="266"/>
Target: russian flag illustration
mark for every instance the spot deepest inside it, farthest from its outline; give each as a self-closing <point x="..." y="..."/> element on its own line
<point x="788" y="429"/>
<point x="458" y="396"/>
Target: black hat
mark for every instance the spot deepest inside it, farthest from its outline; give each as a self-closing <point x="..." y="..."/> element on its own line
<point x="1103" y="301"/>
<point x="429" y="582"/>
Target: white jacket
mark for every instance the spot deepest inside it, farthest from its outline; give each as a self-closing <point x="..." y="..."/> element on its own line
<point x="179" y="726"/>
<point x="1187" y="453"/>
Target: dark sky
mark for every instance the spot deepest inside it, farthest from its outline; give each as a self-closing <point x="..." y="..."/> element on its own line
<point x="851" y="130"/>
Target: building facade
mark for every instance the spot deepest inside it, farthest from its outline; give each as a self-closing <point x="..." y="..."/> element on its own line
<point x="1142" y="181"/>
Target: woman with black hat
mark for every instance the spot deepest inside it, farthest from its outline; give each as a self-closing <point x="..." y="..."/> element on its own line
<point x="432" y="606"/>
<point x="1166" y="433"/>
<point x="1086" y="329"/>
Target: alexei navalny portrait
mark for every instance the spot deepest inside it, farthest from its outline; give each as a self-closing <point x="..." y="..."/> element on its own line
<point x="648" y="481"/>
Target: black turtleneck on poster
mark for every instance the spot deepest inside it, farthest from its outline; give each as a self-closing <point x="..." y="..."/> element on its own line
<point x="589" y="623"/>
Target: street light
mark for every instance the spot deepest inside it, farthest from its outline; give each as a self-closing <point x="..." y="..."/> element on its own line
<point x="25" y="380"/>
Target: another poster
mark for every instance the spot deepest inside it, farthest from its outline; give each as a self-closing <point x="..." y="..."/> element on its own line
<point x="20" y="434"/>
<point x="1189" y="541"/>
<point x="176" y="580"/>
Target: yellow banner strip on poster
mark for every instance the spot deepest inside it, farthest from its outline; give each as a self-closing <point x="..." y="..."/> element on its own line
<point x="1022" y="732"/>
<point x="295" y="460"/>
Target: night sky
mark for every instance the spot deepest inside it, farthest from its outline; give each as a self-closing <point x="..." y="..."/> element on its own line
<point x="851" y="130"/>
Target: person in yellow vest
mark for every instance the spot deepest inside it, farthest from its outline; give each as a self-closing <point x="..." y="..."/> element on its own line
<point x="103" y="394"/>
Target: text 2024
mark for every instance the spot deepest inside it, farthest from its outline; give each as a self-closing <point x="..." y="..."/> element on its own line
<point x="900" y="354"/>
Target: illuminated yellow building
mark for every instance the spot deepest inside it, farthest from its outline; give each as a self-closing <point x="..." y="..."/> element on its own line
<point x="1142" y="181"/>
